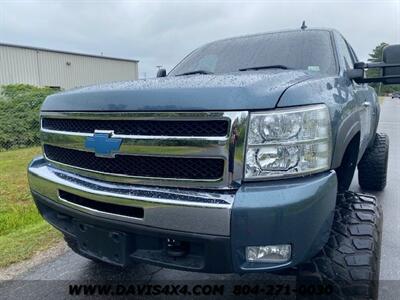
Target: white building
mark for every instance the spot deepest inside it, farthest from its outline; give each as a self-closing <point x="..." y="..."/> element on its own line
<point x="61" y="69"/>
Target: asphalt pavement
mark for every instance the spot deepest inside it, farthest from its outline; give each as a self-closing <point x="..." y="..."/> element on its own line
<point x="72" y="267"/>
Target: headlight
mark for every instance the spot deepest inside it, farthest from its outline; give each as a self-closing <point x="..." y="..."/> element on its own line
<point x="288" y="142"/>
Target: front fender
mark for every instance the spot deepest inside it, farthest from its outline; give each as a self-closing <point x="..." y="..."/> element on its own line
<point x="347" y="130"/>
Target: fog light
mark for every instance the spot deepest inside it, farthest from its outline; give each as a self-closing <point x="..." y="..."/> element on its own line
<point x="269" y="254"/>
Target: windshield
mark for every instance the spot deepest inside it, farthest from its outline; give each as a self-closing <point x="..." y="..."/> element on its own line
<point x="306" y="50"/>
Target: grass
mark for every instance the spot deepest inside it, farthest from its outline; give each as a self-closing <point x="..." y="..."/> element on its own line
<point x="23" y="232"/>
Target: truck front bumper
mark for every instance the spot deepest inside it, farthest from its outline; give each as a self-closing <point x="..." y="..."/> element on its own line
<point x="122" y="223"/>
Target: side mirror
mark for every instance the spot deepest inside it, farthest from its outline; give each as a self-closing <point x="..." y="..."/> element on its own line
<point x="161" y="73"/>
<point x="391" y="56"/>
<point x="356" y="73"/>
<point x="390" y="68"/>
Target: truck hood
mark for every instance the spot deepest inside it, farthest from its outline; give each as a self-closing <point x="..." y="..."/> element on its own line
<point x="233" y="91"/>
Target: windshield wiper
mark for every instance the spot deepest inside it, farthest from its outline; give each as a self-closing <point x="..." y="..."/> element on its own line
<point x="195" y="72"/>
<point x="265" y="67"/>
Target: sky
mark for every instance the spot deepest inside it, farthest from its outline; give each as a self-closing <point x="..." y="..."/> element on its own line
<point x="163" y="32"/>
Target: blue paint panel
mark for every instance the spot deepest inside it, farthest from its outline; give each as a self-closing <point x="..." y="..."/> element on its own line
<point x="235" y="91"/>
<point x="294" y="211"/>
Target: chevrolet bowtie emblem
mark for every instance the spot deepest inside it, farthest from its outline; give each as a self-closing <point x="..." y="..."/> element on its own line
<point x="103" y="144"/>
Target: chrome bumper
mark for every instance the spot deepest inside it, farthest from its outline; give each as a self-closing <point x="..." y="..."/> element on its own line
<point x="166" y="208"/>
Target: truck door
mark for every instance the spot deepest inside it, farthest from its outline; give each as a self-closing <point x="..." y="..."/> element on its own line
<point x="359" y="94"/>
<point x="369" y="104"/>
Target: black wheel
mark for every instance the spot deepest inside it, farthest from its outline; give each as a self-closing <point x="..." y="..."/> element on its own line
<point x="349" y="263"/>
<point x="372" y="169"/>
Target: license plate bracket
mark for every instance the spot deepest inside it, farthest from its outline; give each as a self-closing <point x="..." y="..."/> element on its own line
<point x="106" y="245"/>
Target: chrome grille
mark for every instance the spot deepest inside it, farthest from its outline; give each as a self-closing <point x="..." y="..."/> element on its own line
<point x="141" y="127"/>
<point x="141" y="166"/>
<point x="208" y="155"/>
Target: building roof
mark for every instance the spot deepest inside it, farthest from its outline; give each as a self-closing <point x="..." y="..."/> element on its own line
<point x="67" y="52"/>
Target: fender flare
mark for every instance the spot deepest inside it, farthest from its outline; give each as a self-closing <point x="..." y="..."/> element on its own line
<point x="349" y="128"/>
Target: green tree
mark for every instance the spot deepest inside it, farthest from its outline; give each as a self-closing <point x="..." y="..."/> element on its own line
<point x="19" y="115"/>
<point x="376" y="56"/>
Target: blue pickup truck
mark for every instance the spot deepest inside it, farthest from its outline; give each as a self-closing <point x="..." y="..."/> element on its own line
<point x="239" y="160"/>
